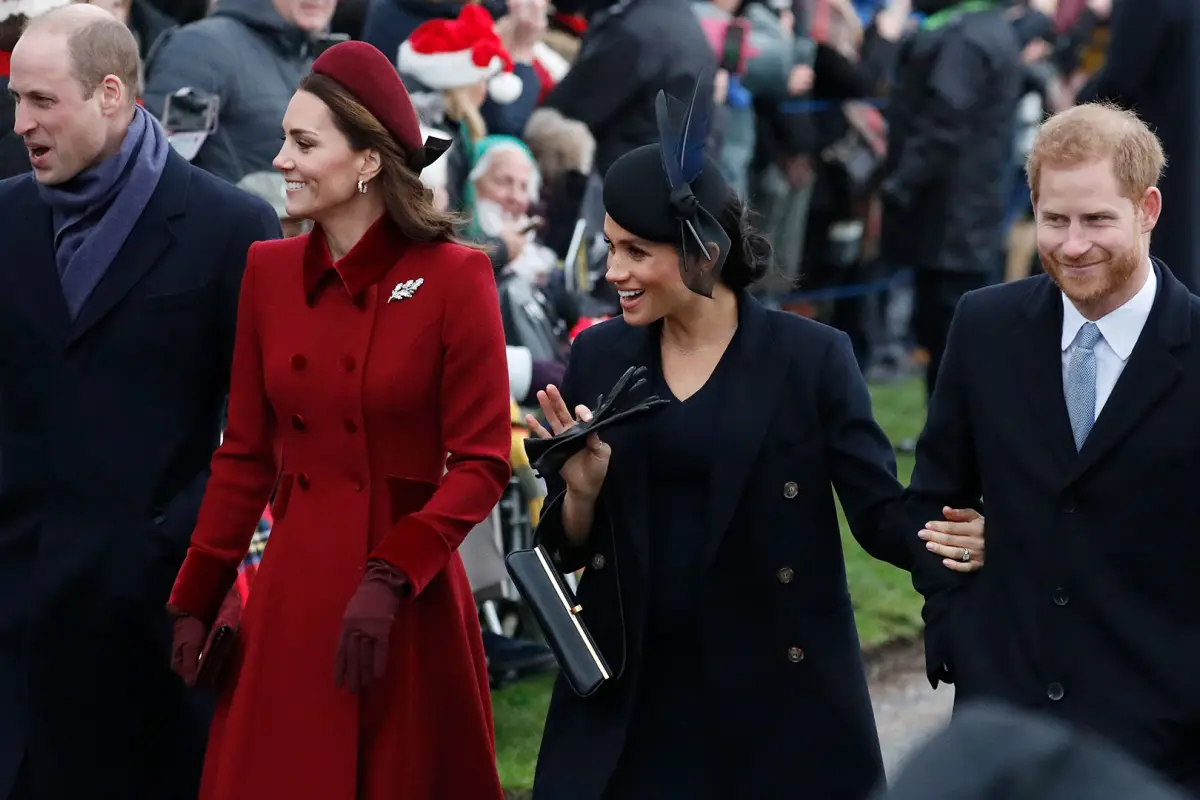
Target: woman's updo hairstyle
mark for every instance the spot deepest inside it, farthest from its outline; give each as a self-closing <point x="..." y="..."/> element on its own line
<point x="750" y="254"/>
<point x="638" y="198"/>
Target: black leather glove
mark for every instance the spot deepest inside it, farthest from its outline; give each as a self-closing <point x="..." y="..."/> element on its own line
<point x="549" y="455"/>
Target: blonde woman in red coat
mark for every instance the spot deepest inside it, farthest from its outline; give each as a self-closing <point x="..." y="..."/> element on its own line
<point x="366" y="352"/>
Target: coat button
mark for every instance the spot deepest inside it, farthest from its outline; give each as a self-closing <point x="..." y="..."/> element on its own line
<point x="348" y="363"/>
<point x="302" y="481"/>
<point x="1060" y="597"/>
<point x="795" y="655"/>
<point x="785" y="574"/>
<point x="359" y="486"/>
<point x="598" y="561"/>
<point x="790" y="490"/>
<point x="298" y="422"/>
<point x="299" y="362"/>
<point x="351" y="425"/>
<point x="1055" y="691"/>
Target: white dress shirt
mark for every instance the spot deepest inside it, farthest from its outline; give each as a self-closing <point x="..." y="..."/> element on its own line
<point x="1119" y="332"/>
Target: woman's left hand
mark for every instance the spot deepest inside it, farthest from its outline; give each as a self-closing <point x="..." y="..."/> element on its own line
<point x="958" y="539"/>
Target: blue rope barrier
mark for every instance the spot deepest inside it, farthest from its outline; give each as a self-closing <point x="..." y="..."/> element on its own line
<point x="852" y="290"/>
<point x="813" y="106"/>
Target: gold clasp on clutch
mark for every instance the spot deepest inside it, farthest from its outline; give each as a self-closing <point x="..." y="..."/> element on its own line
<point x="576" y="609"/>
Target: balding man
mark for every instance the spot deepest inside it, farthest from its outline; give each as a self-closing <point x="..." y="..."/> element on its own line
<point x="1087" y="609"/>
<point x="120" y="266"/>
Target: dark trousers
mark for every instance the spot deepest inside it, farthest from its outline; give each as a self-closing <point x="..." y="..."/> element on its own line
<point x="936" y="293"/>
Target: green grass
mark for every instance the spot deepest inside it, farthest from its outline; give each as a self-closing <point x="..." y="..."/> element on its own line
<point x="885" y="604"/>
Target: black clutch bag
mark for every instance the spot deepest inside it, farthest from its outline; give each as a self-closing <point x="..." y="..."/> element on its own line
<point x="557" y="613"/>
<point x="222" y="638"/>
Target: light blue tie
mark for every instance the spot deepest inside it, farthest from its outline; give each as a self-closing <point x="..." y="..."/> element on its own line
<point x="1081" y="383"/>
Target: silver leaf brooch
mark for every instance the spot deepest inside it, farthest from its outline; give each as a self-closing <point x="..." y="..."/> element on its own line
<point x="406" y="289"/>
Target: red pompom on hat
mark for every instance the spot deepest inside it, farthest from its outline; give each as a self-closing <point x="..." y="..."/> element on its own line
<point x="366" y="73"/>
<point x="451" y="53"/>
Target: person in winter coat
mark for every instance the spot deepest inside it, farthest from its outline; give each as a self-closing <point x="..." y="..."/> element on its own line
<point x="250" y="55"/>
<point x="951" y="122"/>
<point x="630" y="51"/>
<point x="365" y="352"/>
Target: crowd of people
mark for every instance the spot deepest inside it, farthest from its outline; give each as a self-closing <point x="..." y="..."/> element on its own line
<point x="281" y="273"/>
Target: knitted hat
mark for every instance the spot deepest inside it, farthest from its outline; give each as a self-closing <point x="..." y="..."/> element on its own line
<point x="367" y="74"/>
<point x="449" y="54"/>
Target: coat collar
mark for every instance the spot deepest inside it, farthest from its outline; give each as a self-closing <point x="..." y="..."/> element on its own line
<point x="31" y="234"/>
<point x="365" y="265"/>
<point x="1152" y="369"/>
<point x="751" y="392"/>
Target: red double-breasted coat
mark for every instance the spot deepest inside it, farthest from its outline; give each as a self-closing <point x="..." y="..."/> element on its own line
<point x="373" y="394"/>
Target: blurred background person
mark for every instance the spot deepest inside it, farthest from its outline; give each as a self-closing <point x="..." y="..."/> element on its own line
<point x="248" y="56"/>
<point x="1152" y="67"/>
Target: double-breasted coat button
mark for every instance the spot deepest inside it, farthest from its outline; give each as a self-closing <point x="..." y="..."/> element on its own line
<point x="785" y="574"/>
<point x="299" y="362"/>
<point x="302" y="481"/>
<point x="790" y="490"/>
<point x="359" y="485"/>
<point x="1061" y="598"/>
<point x="795" y="655"/>
<point x="349" y="364"/>
<point x="351" y="425"/>
<point x="298" y="422"/>
<point x="598" y="561"/>
<point x="1055" y="691"/>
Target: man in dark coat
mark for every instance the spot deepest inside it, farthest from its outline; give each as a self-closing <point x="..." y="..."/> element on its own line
<point x="1153" y="68"/>
<point x="1086" y="608"/>
<point x="631" y="50"/>
<point x="120" y="267"/>
<point x="951" y="123"/>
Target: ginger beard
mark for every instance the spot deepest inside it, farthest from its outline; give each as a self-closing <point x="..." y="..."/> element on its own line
<point x="1095" y="275"/>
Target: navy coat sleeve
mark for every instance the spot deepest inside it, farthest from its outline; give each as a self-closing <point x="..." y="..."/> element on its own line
<point x="255" y="221"/>
<point x="946" y="474"/>
<point x="862" y="463"/>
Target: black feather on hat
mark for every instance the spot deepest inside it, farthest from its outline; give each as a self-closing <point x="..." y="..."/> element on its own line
<point x="672" y="192"/>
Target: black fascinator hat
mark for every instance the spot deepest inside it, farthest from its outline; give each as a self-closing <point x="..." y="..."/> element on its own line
<point x="671" y="192"/>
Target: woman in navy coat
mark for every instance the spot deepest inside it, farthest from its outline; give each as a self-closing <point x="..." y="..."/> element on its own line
<point x="728" y="620"/>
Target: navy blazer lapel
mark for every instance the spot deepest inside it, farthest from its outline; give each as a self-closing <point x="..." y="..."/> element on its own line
<point x="33" y="273"/>
<point x="1153" y="368"/>
<point x="149" y="239"/>
<point x="751" y="393"/>
<point x="630" y="468"/>
<point x="1039" y="365"/>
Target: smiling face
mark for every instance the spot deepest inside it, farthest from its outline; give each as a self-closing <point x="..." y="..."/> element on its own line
<point x="646" y="274"/>
<point x="1092" y="239"/>
<point x="65" y="130"/>
<point x="508" y="183"/>
<point x="321" y="169"/>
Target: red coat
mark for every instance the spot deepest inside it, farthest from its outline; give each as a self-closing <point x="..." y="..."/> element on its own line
<point x="362" y="396"/>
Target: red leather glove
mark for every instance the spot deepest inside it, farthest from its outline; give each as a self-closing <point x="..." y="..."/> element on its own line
<point x="186" y="645"/>
<point x="367" y="626"/>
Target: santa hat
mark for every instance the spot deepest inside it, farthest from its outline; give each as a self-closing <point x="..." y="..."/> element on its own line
<point x="28" y="8"/>
<point x="452" y="53"/>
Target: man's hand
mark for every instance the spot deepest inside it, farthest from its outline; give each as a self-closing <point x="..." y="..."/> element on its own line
<point x="959" y="539"/>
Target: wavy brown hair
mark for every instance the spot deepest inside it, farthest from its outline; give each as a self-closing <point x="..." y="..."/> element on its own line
<point x="409" y="202"/>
